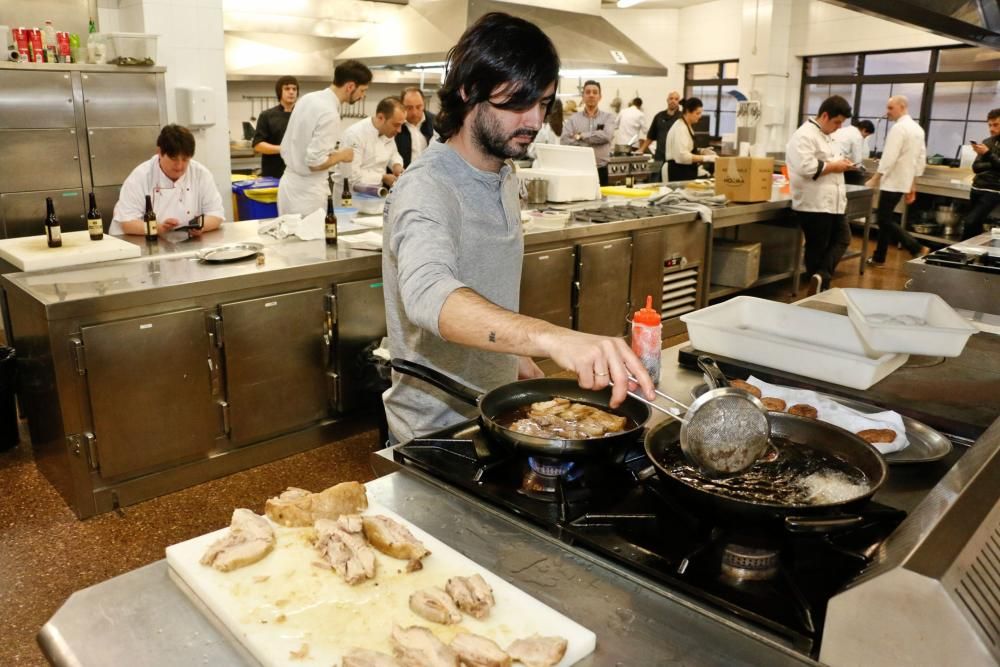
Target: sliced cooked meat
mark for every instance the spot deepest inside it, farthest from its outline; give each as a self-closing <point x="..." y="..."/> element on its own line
<point x="435" y="605"/>
<point x="552" y="407"/>
<point x="472" y="595"/>
<point x="538" y="651"/>
<point x="298" y="507"/>
<point x="362" y="657"/>
<point x="350" y="523"/>
<point x="416" y="646"/>
<point x="745" y="386"/>
<point x="394" y="539"/>
<point x="347" y="553"/>
<point x="476" y="651"/>
<point x="250" y="538"/>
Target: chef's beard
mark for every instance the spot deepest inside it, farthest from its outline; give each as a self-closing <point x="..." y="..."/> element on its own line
<point x="489" y="135"/>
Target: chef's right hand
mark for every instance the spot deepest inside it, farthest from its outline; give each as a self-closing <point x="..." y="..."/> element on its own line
<point x="343" y="155"/>
<point x="599" y="361"/>
<point x="840" y="165"/>
<point x="166" y="226"/>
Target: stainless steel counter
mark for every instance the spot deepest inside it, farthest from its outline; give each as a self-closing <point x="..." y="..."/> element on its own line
<point x="635" y="622"/>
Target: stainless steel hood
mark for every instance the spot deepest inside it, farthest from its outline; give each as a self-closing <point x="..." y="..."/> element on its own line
<point x="975" y="22"/>
<point x="425" y="30"/>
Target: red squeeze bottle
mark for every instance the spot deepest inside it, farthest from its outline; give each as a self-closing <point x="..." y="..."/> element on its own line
<point x="647" y="339"/>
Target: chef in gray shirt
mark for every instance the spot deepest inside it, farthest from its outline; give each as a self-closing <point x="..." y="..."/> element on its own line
<point x="453" y="247"/>
<point x="592" y="127"/>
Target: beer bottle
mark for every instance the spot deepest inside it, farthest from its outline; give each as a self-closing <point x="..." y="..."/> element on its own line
<point x="345" y="197"/>
<point x="53" y="233"/>
<point x="331" y="222"/>
<point x="149" y="219"/>
<point x="95" y="225"/>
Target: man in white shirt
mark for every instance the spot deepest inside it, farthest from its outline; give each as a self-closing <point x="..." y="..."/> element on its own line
<point x="310" y="145"/>
<point x="632" y="126"/>
<point x="373" y="142"/>
<point x="819" y="197"/>
<point x="180" y="189"/>
<point x="903" y="159"/>
<point x="418" y="132"/>
<point x="852" y="140"/>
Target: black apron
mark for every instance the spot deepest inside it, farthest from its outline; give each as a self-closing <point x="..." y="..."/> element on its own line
<point x="682" y="172"/>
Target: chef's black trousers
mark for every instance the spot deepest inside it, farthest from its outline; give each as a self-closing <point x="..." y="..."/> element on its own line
<point x="983" y="203"/>
<point x="602" y="175"/>
<point x="889" y="229"/>
<point x="827" y="237"/>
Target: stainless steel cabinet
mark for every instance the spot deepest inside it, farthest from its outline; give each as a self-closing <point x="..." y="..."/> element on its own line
<point x="275" y="350"/>
<point x="39" y="160"/>
<point x="647" y="268"/>
<point x="360" y="319"/>
<point x="116" y="151"/>
<point x="35" y="100"/>
<point x="117" y="100"/>
<point x="23" y="213"/>
<point x="143" y="421"/>
<point x="547" y="285"/>
<point x="602" y="286"/>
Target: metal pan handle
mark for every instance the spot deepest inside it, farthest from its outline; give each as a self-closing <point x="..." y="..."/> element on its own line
<point x="716" y="378"/>
<point x="438" y="379"/>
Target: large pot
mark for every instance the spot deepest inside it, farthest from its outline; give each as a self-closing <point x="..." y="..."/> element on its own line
<point x="506" y="398"/>
<point x="817" y="434"/>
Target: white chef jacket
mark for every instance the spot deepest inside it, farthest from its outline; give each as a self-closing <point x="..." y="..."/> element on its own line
<point x="631" y="124"/>
<point x="852" y="143"/>
<point x="680" y="143"/>
<point x="191" y="195"/>
<point x="904" y="156"/>
<point x="808" y="150"/>
<point x="312" y="134"/>
<point x="373" y="152"/>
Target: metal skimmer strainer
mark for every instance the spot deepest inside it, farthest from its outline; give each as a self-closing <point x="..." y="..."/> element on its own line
<point x="725" y="430"/>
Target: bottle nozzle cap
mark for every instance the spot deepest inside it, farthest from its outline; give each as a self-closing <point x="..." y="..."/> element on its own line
<point x="647" y="315"/>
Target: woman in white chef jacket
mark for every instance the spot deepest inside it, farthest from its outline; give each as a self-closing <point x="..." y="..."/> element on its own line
<point x="682" y="162"/>
<point x="180" y="189"/>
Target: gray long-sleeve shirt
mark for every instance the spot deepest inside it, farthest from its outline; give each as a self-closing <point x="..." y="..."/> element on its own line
<point x="447" y="225"/>
<point x="598" y="139"/>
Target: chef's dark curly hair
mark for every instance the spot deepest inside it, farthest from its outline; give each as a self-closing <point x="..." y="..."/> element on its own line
<point x="499" y="51"/>
<point x="175" y="140"/>
<point x="285" y="81"/>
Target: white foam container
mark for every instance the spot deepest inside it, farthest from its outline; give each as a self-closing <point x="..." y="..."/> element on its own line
<point x="805" y="341"/>
<point x="944" y="334"/>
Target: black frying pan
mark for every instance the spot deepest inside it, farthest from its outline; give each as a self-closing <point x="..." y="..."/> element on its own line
<point x="817" y="434"/>
<point x="509" y="397"/>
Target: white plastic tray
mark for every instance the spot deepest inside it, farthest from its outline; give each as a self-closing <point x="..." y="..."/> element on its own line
<point x="804" y="341"/>
<point x="944" y="333"/>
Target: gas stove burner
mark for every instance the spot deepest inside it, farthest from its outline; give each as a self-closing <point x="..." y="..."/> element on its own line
<point x="624" y="212"/>
<point x="743" y="563"/>
<point x="551" y="467"/>
<point x="545" y="476"/>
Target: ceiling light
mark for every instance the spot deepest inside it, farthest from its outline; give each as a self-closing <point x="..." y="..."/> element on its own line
<point x="625" y="4"/>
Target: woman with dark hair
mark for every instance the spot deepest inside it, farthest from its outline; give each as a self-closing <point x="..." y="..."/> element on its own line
<point x="453" y="246"/>
<point x="682" y="161"/>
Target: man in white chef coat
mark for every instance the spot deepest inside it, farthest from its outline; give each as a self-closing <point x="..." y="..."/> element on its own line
<point x="853" y="141"/>
<point x="903" y="159"/>
<point x="374" y="145"/>
<point x="632" y="126"/>
<point x="310" y="145"/>
<point x="816" y="169"/>
<point x="180" y="189"/>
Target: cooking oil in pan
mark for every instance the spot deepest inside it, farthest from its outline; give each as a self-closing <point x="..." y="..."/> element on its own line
<point x="800" y="475"/>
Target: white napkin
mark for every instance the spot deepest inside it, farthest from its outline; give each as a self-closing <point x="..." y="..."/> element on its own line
<point x="312" y="226"/>
<point x="293" y="224"/>
<point x="362" y="241"/>
<point x="846" y="418"/>
<point x="370" y="221"/>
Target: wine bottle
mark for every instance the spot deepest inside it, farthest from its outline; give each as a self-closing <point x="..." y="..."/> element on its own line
<point x="345" y="196"/>
<point x="149" y="219"/>
<point x="331" y="222"/>
<point x="53" y="233"/>
<point x="95" y="225"/>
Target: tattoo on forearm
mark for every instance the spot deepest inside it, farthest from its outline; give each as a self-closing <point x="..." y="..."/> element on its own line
<point x="493" y="336"/>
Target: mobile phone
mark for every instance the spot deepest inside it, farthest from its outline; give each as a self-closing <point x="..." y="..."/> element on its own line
<point x="600" y="126"/>
<point x="973" y="142"/>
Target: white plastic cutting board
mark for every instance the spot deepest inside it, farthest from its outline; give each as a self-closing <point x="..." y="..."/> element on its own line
<point x="321" y="610"/>
<point x="32" y="253"/>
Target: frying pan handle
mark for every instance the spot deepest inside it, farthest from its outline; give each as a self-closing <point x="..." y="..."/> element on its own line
<point x="716" y="378"/>
<point x="809" y="524"/>
<point x="438" y="379"/>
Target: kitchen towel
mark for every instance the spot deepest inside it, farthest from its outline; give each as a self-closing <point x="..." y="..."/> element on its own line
<point x="362" y="241"/>
<point x="834" y="413"/>
<point x="292" y="224"/>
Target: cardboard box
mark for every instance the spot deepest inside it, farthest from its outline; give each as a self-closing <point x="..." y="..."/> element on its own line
<point x="744" y="179"/>
<point x="735" y="264"/>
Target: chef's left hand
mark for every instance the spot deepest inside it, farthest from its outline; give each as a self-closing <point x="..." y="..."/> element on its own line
<point x="911" y="197"/>
<point x="167" y="225"/>
<point x="527" y="369"/>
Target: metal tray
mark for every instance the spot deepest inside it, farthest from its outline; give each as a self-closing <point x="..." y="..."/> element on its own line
<point x="233" y="252"/>
<point x="926" y="444"/>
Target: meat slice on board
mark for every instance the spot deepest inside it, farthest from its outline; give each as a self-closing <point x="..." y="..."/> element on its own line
<point x="250" y="538"/>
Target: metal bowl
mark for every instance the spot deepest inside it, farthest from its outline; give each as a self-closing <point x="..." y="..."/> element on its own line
<point x="926" y="228"/>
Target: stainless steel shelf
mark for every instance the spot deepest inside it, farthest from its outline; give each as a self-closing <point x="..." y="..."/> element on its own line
<point x="719" y="291"/>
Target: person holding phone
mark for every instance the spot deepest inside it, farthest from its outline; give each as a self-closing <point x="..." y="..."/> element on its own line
<point x="592" y="127"/>
<point x="985" y="193"/>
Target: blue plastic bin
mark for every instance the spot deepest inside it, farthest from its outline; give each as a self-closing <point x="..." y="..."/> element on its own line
<point x="249" y="209"/>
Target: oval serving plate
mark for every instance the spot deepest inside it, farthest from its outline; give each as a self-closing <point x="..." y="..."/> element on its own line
<point x="926" y="444"/>
<point x="233" y="252"/>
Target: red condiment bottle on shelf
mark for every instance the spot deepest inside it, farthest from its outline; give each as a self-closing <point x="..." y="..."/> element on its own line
<point x="647" y="339"/>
